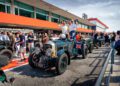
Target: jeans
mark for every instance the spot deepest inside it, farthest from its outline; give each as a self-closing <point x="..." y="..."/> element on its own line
<point x="72" y="34"/>
<point x="112" y="45"/>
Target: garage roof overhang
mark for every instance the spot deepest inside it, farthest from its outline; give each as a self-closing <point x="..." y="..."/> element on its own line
<point x="20" y="21"/>
<point x="10" y="20"/>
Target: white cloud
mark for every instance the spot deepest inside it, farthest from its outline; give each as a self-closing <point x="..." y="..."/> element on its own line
<point x="105" y="10"/>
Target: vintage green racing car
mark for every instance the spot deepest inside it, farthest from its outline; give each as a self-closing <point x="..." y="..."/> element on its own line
<point x="57" y="53"/>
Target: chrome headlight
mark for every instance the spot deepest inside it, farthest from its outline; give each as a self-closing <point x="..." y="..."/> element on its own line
<point x="37" y="50"/>
<point x="49" y="52"/>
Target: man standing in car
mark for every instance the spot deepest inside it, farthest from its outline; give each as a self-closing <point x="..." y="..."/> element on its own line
<point x="72" y="29"/>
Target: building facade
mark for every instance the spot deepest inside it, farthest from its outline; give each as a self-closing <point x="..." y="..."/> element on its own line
<point x="100" y="26"/>
<point x="40" y="10"/>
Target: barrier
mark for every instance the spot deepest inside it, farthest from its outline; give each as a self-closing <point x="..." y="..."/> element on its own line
<point x="99" y="80"/>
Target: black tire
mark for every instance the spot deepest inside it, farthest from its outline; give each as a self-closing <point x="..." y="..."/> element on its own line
<point x="90" y="48"/>
<point x="3" y="60"/>
<point x="60" y="66"/>
<point x="84" y="52"/>
<point x="37" y="44"/>
<point x="8" y="53"/>
<point x="30" y="60"/>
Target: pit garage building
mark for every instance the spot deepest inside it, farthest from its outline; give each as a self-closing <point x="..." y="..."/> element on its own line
<point x="36" y="15"/>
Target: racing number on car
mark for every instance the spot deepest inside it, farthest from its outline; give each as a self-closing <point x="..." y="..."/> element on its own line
<point x="78" y="46"/>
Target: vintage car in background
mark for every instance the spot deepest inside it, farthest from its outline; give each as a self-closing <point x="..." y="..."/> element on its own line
<point x="89" y="43"/>
<point x="6" y="52"/>
<point x="57" y="53"/>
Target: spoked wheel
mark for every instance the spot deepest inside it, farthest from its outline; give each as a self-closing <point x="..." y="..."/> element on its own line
<point x="61" y="64"/>
<point x="6" y="56"/>
<point x="33" y="60"/>
<point x="3" y="60"/>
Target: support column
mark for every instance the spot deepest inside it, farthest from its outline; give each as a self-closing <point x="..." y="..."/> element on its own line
<point x="12" y="7"/>
<point x="35" y="12"/>
<point x="50" y="17"/>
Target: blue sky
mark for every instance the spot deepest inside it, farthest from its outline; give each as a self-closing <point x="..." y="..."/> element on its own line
<point x="108" y="11"/>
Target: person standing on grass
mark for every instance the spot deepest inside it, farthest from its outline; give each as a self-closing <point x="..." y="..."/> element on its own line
<point x="22" y="46"/>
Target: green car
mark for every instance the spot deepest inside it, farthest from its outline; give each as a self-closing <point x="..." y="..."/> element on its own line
<point x="89" y="43"/>
<point x="57" y="53"/>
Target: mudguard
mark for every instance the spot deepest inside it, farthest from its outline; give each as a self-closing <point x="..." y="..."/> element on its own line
<point x="2" y="47"/>
<point x="60" y="52"/>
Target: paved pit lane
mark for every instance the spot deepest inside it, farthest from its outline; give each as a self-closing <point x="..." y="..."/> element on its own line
<point x="81" y="72"/>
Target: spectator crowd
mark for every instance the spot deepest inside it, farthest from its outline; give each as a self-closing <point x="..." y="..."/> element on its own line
<point x="22" y="43"/>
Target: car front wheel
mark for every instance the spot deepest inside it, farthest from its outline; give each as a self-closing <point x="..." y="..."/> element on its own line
<point x="6" y="56"/>
<point x="61" y="64"/>
<point x="84" y="52"/>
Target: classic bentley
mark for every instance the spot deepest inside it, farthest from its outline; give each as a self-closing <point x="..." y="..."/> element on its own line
<point x="57" y="53"/>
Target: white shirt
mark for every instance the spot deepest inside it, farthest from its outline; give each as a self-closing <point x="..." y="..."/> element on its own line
<point x="72" y="27"/>
<point x="64" y="29"/>
<point x="5" y="38"/>
<point x="1" y="37"/>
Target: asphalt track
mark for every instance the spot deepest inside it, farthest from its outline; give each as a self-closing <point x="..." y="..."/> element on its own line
<point x="81" y="72"/>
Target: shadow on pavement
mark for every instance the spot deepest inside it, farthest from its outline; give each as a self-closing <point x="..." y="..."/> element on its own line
<point x="90" y="82"/>
<point x="77" y="58"/>
<point x="115" y="79"/>
<point x="28" y="71"/>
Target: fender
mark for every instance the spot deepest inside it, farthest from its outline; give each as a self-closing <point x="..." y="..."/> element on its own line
<point x="60" y="52"/>
<point x="2" y="47"/>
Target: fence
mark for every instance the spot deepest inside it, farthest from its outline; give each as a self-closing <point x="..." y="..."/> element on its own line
<point x="100" y="78"/>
